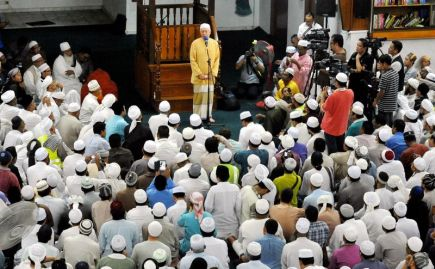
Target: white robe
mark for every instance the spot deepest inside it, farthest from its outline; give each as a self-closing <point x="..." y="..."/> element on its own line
<point x="69" y="82"/>
<point x="89" y="105"/>
<point x="31" y="78"/>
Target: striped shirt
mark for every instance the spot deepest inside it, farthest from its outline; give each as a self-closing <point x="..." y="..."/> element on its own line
<point x="389" y="83"/>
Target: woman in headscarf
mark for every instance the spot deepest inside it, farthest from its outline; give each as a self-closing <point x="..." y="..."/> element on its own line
<point x="136" y="133"/>
<point x="191" y="220"/>
<point x="417" y="208"/>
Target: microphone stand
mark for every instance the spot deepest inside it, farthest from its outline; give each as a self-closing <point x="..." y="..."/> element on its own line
<point x="208" y="124"/>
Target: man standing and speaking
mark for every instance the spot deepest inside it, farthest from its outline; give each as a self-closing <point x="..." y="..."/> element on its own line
<point x="204" y="61"/>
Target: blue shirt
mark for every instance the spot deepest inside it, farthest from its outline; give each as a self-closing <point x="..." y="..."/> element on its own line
<point x="127" y="229"/>
<point x="301" y="150"/>
<point x="115" y="125"/>
<point x="371" y="264"/>
<point x="271" y="250"/>
<point x="312" y="198"/>
<point x="241" y="157"/>
<point x="95" y="144"/>
<point x="397" y="144"/>
<point x="163" y="196"/>
<point x="190" y="223"/>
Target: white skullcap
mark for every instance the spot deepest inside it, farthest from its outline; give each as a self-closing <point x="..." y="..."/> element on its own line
<point x="164" y="106"/>
<point x="289" y="71"/>
<point x="75" y="215"/>
<point x="262" y="206"/>
<point x="362" y="164"/>
<point x="295" y="114"/>
<point x="208" y="225"/>
<point x="290" y="164"/>
<point x="354" y="172"/>
<point x="245" y="115"/>
<point x="351" y="235"/>
<point x="430" y="77"/>
<point x="181" y="157"/>
<point x="52" y="180"/>
<point x="351" y="142"/>
<point x="270" y="102"/>
<point x="393" y="181"/>
<point x="316" y="179"/>
<point x="150" y="146"/>
<point x="178" y="189"/>
<point x="118" y="243"/>
<point x="302" y="225"/>
<point x="197" y="242"/>
<point x="112" y="170"/>
<point x="268" y="183"/>
<point x="255" y="139"/>
<point x="388" y="223"/>
<point x="287" y="141"/>
<point x="420" y="164"/>
<point x="64" y="46"/>
<point x="294" y="132"/>
<point x="43" y="67"/>
<point x="303" y="43"/>
<point x="411" y="114"/>
<point x="362" y="151"/>
<point x="37" y="253"/>
<point x="341" y="77"/>
<point x="400" y="209"/>
<point x="367" y="248"/>
<point x="42" y="185"/>
<point x="261" y="172"/>
<point x="430" y="121"/>
<point x="32" y="44"/>
<point x="27" y="193"/>
<point x="36" y="57"/>
<point x="427" y="105"/>
<point x="324" y="199"/>
<point x="160" y="255"/>
<point x="47" y="82"/>
<point x="188" y="133"/>
<point x="415" y="244"/>
<point x="73" y="107"/>
<point x="41" y="154"/>
<point x="195" y="120"/>
<point x="81" y="166"/>
<point x="290" y="49"/>
<point x="1" y="54"/>
<point x="385" y="134"/>
<point x="312" y="104"/>
<point x="155" y="229"/>
<point x="313" y="122"/>
<point x="108" y="100"/>
<point x="300" y="98"/>
<point x="358" y="110"/>
<point x="305" y="253"/>
<point x="205" y="26"/>
<point x="149" y="264"/>
<point x="134" y="113"/>
<point x="253" y="160"/>
<point x="8" y="96"/>
<point x="86" y="183"/>
<point x="226" y="155"/>
<point x="79" y="145"/>
<point x="159" y="210"/>
<point x="174" y="118"/>
<point x="266" y="137"/>
<point x="402" y="101"/>
<point x="254" y="249"/>
<point x="151" y="162"/>
<point x="93" y="85"/>
<point x="41" y="215"/>
<point x="58" y="95"/>
<point x="13" y="72"/>
<point x="140" y="196"/>
<point x="413" y="83"/>
<point x="371" y="198"/>
<point x="347" y="211"/>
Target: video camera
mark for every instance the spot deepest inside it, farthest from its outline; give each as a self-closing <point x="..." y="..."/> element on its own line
<point x="318" y="44"/>
<point x="318" y="34"/>
<point x="250" y="52"/>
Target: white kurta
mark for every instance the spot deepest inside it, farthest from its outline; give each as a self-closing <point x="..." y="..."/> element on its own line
<point x="90" y="103"/>
<point x="12" y="139"/>
<point x="218" y="248"/>
<point x="69" y="164"/>
<point x="304" y="135"/>
<point x="393" y="168"/>
<point x="70" y="82"/>
<point x="191" y="185"/>
<point x="174" y="212"/>
<point x="30" y="119"/>
<point x="140" y="215"/>
<point x="183" y="173"/>
<point x="310" y="142"/>
<point x="81" y="248"/>
<point x="166" y="150"/>
<point x="415" y="180"/>
<point x="202" y="134"/>
<point x="247" y="131"/>
<point x="429" y="157"/>
<point x="7" y="112"/>
<point x="373" y="222"/>
<point x="387" y="198"/>
<point x="408" y="226"/>
<point x="336" y="240"/>
<point x="31" y="78"/>
<point x="38" y="171"/>
<point x="74" y="230"/>
<point x="197" y="151"/>
<point x="156" y="121"/>
<point x="175" y="136"/>
<point x="57" y="208"/>
<point x="290" y="256"/>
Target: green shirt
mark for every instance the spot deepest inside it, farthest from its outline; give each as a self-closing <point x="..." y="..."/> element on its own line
<point x="289" y="181"/>
<point x="117" y="261"/>
<point x="234" y="173"/>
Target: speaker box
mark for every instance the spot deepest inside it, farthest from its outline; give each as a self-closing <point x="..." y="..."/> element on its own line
<point x="326" y="8"/>
<point x="362" y="8"/>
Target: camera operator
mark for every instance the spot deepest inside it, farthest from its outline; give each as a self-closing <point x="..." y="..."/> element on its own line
<point x="360" y="65"/>
<point x="397" y="62"/>
<point x="337" y="49"/>
<point x="252" y="69"/>
<point x="306" y="27"/>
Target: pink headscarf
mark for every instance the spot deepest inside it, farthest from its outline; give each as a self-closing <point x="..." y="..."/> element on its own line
<point x="197" y="201"/>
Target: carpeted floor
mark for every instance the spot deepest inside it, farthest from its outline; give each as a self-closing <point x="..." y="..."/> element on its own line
<point x="115" y="54"/>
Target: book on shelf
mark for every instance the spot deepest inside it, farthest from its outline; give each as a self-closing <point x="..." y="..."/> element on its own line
<point x="391" y="21"/>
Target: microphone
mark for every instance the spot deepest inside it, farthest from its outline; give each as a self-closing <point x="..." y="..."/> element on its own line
<point x="205" y="40"/>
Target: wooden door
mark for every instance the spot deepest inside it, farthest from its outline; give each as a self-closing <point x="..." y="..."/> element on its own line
<point x="279" y="19"/>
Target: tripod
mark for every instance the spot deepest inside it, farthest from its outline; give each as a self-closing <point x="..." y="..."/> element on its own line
<point x="312" y="76"/>
<point x="210" y="78"/>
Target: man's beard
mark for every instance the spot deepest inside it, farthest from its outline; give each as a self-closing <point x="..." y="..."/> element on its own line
<point x="69" y="59"/>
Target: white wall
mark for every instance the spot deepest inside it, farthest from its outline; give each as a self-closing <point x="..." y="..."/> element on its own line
<point x="49" y="5"/>
<point x="227" y="19"/>
<point x="265" y="9"/>
<point x="296" y="10"/>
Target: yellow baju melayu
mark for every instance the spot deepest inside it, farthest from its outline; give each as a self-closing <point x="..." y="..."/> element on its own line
<point x="199" y="65"/>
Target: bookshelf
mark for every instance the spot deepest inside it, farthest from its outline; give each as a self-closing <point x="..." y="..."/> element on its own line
<point x="403" y="19"/>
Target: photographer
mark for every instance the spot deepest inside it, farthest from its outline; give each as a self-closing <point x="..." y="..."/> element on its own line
<point x="252" y="69"/>
<point x="338" y="52"/>
<point x="360" y="65"/>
